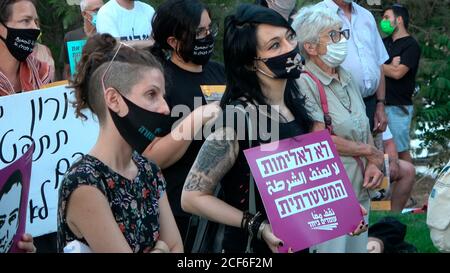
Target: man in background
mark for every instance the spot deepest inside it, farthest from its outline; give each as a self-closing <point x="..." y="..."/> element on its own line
<point x="365" y="59"/>
<point x="89" y="10"/>
<point x="128" y="20"/>
<point x="400" y="70"/>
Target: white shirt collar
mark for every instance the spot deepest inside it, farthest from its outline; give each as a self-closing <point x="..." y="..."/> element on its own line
<point x="335" y="8"/>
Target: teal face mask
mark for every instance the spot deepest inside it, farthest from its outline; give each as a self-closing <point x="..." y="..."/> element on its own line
<point x="94" y="19"/>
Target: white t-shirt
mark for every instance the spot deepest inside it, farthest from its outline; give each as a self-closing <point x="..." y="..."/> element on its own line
<point x="387" y="134"/>
<point x="128" y="25"/>
<point x="366" y="51"/>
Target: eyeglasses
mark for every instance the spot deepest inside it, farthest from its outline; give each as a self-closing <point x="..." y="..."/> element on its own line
<point x="202" y="32"/>
<point x="337" y="35"/>
<point x="111" y="62"/>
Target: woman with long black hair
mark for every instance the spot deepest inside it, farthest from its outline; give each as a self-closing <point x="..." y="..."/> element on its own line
<point x="184" y="36"/>
<point x="261" y="63"/>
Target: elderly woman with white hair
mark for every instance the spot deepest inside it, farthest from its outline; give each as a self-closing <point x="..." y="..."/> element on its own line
<point x="335" y="103"/>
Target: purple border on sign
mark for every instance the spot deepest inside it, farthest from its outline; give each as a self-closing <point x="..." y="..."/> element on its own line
<point x="23" y="165"/>
<point x="305" y="189"/>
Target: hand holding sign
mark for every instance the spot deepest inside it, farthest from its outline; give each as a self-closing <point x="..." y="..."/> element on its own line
<point x="14" y="189"/>
<point x="362" y="227"/>
<point x="306" y="192"/>
<point x="26" y="244"/>
<point x="272" y="241"/>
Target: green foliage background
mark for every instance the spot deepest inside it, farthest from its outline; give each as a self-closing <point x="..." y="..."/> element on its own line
<point x="429" y="23"/>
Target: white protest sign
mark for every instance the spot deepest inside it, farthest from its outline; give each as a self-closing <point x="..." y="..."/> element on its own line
<point x="45" y="117"/>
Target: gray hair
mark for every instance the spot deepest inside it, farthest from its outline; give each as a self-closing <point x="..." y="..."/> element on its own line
<point x="310" y="21"/>
<point x="83" y="5"/>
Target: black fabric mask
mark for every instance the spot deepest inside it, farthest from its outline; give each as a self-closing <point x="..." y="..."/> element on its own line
<point x="286" y="66"/>
<point x="140" y="127"/>
<point x="20" y="42"/>
<point x="203" y="50"/>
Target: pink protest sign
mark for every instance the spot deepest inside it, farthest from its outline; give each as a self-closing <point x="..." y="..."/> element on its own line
<point x="14" y="188"/>
<point x="306" y="192"/>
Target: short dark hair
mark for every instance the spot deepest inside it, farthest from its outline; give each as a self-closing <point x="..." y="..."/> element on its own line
<point x="180" y="19"/>
<point x="13" y="179"/>
<point x="6" y="11"/>
<point x="262" y="3"/>
<point x="400" y="11"/>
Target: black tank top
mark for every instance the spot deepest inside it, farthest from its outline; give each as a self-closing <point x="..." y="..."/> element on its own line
<point x="235" y="186"/>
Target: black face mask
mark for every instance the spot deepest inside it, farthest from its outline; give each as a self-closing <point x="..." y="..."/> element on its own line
<point x="140" y="127"/>
<point x="286" y="66"/>
<point x="20" y="42"/>
<point x="203" y="50"/>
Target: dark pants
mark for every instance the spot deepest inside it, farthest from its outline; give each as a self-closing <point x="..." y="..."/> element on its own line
<point x="371" y="107"/>
<point x="46" y="243"/>
<point x="187" y="237"/>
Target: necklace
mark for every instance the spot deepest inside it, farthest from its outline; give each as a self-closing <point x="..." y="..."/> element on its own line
<point x="349" y="108"/>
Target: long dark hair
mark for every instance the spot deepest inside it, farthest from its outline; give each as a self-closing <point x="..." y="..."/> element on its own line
<point x="180" y="19"/>
<point x="262" y="3"/>
<point x="239" y="48"/>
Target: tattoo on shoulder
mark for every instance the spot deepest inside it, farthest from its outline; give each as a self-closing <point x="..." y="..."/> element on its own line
<point x="215" y="159"/>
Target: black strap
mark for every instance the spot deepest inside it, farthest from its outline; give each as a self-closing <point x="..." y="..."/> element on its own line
<point x="202" y="224"/>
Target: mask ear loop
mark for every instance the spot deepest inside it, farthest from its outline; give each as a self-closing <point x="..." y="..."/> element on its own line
<point x="264" y="73"/>
<point x="260" y="70"/>
<point x="110" y="64"/>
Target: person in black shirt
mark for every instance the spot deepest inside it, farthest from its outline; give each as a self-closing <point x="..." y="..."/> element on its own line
<point x="400" y="70"/>
<point x="262" y="61"/>
<point x="184" y="38"/>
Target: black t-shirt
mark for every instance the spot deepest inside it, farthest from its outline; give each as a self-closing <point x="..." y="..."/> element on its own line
<point x="235" y="183"/>
<point x="181" y="88"/>
<point x="399" y="92"/>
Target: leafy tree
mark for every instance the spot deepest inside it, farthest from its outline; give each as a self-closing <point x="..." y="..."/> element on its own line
<point x="429" y="24"/>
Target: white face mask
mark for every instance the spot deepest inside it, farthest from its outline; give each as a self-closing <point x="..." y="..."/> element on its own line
<point x="336" y="53"/>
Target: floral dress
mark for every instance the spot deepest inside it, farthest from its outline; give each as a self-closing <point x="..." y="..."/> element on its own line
<point x="134" y="204"/>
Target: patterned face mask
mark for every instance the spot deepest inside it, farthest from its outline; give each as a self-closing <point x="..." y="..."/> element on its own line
<point x="286" y="66"/>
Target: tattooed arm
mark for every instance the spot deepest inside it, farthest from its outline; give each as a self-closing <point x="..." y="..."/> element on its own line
<point x="214" y="160"/>
<point x="216" y="157"/>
